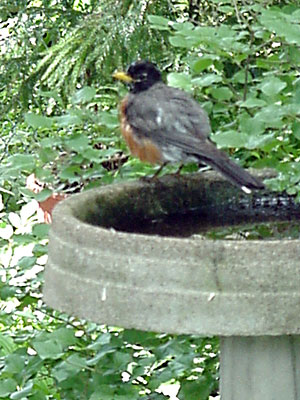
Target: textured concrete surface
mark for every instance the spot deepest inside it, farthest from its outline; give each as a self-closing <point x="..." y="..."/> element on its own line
<point x="260" y="368"/>
<point x="177" y="285"/>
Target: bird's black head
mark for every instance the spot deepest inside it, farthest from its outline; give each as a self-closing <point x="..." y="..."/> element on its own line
<point x="144" y="74"/>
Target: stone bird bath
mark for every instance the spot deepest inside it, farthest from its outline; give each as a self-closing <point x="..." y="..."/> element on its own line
<point x="119" y="256"/>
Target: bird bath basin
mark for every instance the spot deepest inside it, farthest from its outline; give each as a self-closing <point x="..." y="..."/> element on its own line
<point x="134" y="255"/>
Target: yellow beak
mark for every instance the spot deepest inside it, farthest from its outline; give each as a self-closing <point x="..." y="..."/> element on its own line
<point x="122" y="76"/>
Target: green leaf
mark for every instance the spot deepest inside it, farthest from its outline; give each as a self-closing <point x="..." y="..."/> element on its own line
<point x="47" y="155"/>
<point x="7" y="386"/>
<point x="84" y="95"/>
<point x="253" y="102"/>
<point x="221" y="93"/>
<point x="43" y="195"/>
<point x="240" y="77"/>
<point x="206" y="80"/>
<point x="195" y="390"/>
<point x="77" y="143"/>
<point x="48" y="349"/>
<point x="14" y="364"/>
<point x="23" y="162"/>
<point x="68" y="368"/>
<point x="26" y="262"/>
<point x="271" y="86"/>
<point x="256" y="141"/>
<point x="296" y="130"/>
<point x="180" y="80"/>
<point x="21" y="394"/>
<point x="201" y="64"/>
<point x="230" y="138"/>
<point x="271" y="116"/>
<point x="71" y="173"/>
<point x="282" y="24"/>
<point x="109" y="119"/>
<point x="67" y="120"/>
<point x="92" y="154"/>
<point x="103" y="392"/>
<point x="38" y="121"/>
<point x="41" y="230"/>
<point x="181" y="41"/>
<point x="158" y="22"/>
<point x="64" y="336"/>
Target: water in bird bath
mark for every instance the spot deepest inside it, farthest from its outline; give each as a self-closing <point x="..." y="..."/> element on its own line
<point x="198" y="226"/>
<point x="262" y="218"/>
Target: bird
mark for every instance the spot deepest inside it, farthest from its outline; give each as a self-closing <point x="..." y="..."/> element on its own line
<point x="162" y="124"/>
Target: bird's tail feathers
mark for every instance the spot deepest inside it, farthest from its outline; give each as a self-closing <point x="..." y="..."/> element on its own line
<point x="232" y="171"/>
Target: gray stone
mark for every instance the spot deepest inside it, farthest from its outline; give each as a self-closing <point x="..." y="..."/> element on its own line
<point x="247" y="292"/>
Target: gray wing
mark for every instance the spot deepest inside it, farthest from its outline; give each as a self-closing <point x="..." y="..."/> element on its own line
<point x="168" y="116"/>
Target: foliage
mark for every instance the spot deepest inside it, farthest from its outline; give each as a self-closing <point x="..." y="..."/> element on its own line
<point x="245" y="72"/>
<point x="59" y="111"/>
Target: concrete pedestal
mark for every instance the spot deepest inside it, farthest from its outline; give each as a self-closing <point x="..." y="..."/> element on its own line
<point x="260" y="368"/>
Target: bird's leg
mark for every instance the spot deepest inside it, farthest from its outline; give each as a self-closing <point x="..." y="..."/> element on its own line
<point x="155" y="175"/>
<point x="160" y="169"/>
<point x="179" y="169"/>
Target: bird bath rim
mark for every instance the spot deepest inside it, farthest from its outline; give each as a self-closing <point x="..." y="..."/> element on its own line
<point x="167" y="284"/>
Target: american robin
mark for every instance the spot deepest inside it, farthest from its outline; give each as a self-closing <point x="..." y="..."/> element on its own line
<point x="162" y="124"/>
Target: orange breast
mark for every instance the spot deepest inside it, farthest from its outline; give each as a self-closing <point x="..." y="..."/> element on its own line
<point x="142" y="148"/>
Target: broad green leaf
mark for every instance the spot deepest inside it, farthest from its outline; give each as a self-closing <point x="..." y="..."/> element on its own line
<point x="180" y="80"/>
<point x="282" y="24"/>
<point x="271" y="116"/>
<point x="250" y="125"/>
<point x="41" y="230"/>
<point x="50" y="142"/>
<point x="103" y="392"/>
<point x="77" y="143"/>
<point x="221" y="93"/>
<point x="259" y="141"/>
<point x="109" y="119"/>
<point x="43" y="195"/>
<point x="201" y="64"/>
<point x="158" y="22"/>
<point x="271" y="86"/>
<point x="38" y="121"/>
<point x="182" y="41"/>
<point x="296" y="129"/>
<point x="230" y="138"/>
<point x="195" y="389"/>
<point x="23" y="162"/>
<point x="21" y="394"/>
<point x="67" y="120"/>
<point x="48" y="349"/>
<point x="7" y="386"/>
<point x="14" y="363"/>
<point x="253" y="102"/>
<point x="71" y="173"/>
<point x="84" y="95"/>
<point x="68" y="368"/>
<point x="47" y="155"/>
<point x="64" y="336"/>
<point x="183" y="27"/>
<point x="240" y="77"/>
<point x="92" y="154"/>
<point x="206" y="80"/>
<point x="26" y="262"/>
<point x="121" y="359"/>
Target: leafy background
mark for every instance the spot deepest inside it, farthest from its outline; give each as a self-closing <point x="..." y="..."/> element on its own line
<point x="60" y="133"/>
